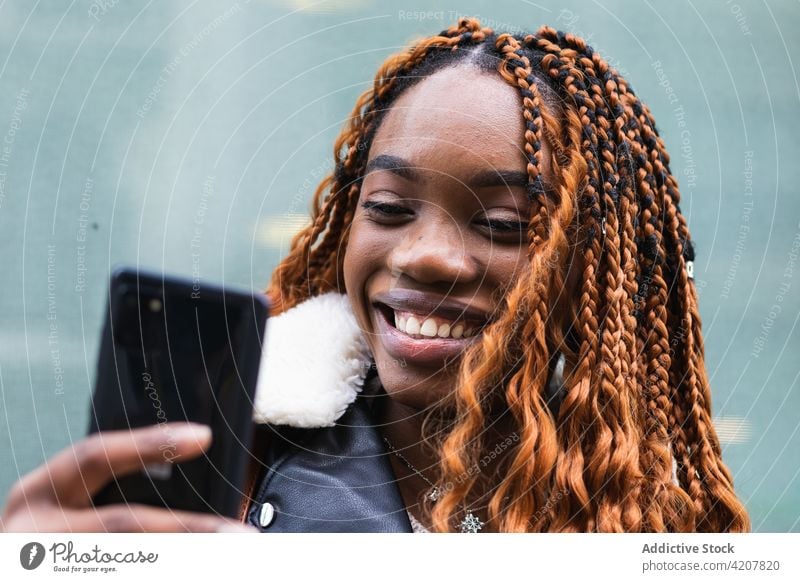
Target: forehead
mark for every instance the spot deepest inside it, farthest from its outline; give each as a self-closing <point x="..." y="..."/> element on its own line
<point x="457" y="116"/>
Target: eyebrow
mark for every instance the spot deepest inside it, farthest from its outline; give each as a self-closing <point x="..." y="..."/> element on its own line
<point x="482" y="179"/>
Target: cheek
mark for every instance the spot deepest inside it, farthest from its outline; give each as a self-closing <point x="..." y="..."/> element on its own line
<point x="360" y="256"/>
<point x="365" y="255"/>
<point x="352" y="269"/>
<point x="506" y="266"/>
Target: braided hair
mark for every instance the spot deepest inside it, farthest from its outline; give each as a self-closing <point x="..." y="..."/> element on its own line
<point x="632" y="446"/>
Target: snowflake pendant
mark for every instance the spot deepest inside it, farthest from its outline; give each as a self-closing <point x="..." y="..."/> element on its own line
<point x="471" y="524"/>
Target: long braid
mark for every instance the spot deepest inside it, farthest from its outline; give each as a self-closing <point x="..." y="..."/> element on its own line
<point x="618" y="407"/>
<point x="664" y="509"/>
<point x="658" y="182"/>
<point x="725" y="512"/>
<point x="536" y="454"/>
<point x="621" y="466"/>
<point x="621" y="176"/>
<point x="654" y="291"/>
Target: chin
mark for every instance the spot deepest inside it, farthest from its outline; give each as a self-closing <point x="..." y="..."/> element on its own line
<point x="417" y="388"/>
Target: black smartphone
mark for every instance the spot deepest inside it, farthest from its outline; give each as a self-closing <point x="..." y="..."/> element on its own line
<point x="176" y="349"/>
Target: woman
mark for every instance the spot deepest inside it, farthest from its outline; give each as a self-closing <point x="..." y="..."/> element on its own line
<point x="494" y="319"/>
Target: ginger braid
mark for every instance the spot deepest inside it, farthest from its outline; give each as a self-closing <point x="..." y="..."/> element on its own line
<point x="636" y="392"/>
<point x="613" y="426"/>
<point x="619" y="292"/>
<point x="699" y="467"/>
<point x="664" y="211"/>
<point x="664" y="495"/>
<point x="586" y="436"/>
<point x="534" y="456"/>
<point x="658" y="389"/>
<point x="722" y="509"/>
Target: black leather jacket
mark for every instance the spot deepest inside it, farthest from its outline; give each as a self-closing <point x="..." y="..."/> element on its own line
<point x="334" y="479"/>
<point x="329" y="479"/>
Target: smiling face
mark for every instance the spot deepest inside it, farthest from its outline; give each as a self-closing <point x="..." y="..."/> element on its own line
<point x="440" y="229"/>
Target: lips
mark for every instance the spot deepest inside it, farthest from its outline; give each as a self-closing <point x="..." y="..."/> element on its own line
<point x="417" y="341"/>
<point x="427" y="304"/>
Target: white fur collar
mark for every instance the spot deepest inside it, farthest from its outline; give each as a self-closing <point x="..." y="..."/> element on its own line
<point x="313" y="365"/>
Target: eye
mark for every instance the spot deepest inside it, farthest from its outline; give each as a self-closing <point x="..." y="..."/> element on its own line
<point x="505" y="226"/>
<point x="384" y="209"/>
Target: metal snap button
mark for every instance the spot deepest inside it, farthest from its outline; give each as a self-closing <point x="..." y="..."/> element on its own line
<point x="266" y="514"/>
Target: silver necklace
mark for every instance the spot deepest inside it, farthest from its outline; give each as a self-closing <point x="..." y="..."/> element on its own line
<point x="470" y="523"/>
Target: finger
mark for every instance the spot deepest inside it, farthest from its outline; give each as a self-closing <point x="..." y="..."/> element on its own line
<point x="124" y="518"/>
<point x="75" y="474"/>
<point x="144" y="518"/>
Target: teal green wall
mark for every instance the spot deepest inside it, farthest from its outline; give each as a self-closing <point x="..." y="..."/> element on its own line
<point x="190" y="136"/>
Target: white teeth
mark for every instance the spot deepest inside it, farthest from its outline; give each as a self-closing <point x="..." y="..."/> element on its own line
<point x="428" y="328"/>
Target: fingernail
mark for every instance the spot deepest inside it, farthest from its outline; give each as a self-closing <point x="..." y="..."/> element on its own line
<point x="228" y="527"/>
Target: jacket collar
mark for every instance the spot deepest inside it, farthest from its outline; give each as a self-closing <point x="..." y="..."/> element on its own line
<point x="313" y="364"/>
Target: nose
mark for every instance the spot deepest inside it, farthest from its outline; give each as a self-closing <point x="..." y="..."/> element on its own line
<point x="436" y="250"/>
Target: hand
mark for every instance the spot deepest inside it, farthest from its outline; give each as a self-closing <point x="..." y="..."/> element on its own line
<point x="57" y="496"/>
